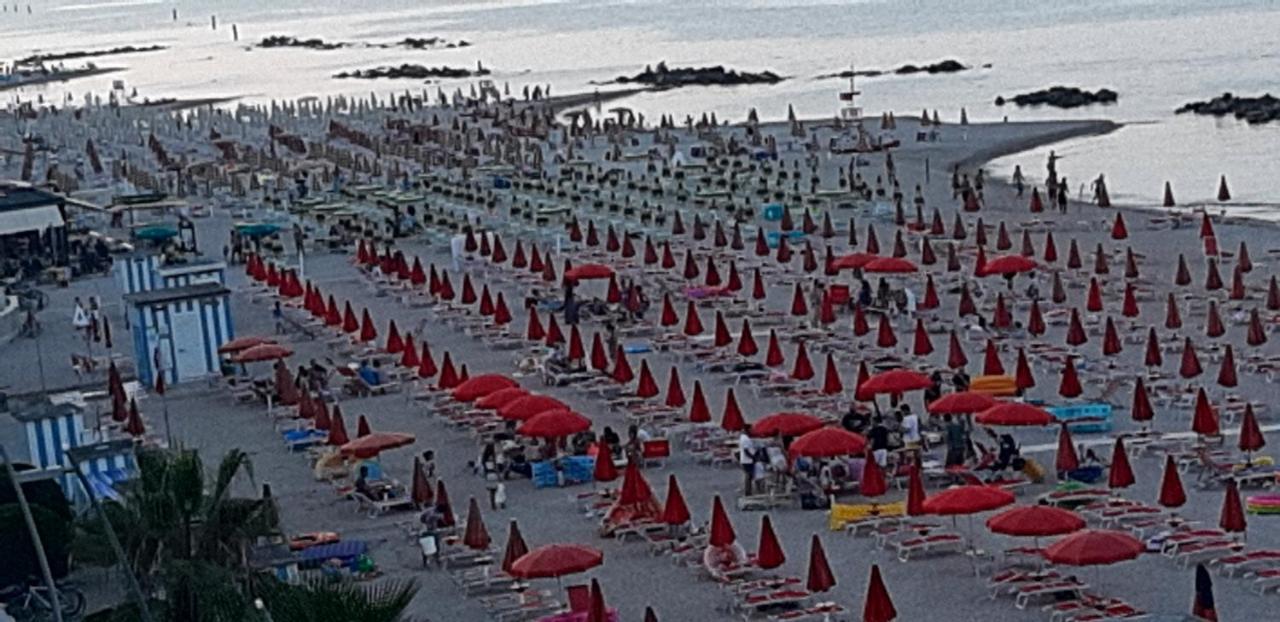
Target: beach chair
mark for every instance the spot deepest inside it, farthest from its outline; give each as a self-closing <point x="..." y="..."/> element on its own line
<point x="819" y="611"/>
<point x="1266" y="580"/>
<point x="1171" y="544"/>
<point x="1244" y="563"/>
<point x="933" y="544"/>
<point x="1069" y="586"/>
<point x="1192" y="554"/>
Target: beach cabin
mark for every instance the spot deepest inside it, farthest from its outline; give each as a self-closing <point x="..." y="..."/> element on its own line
<point x="50" y="430"/>
<point x="179" y="329"/>
<point x="143" y="271"/>
<point x="104" y="465"/>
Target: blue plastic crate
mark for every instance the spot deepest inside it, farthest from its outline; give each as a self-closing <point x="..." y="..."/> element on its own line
<point x="1084" y="418"/>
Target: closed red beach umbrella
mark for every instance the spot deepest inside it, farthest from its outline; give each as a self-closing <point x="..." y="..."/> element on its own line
<point x="1070" y="385"/>
<point x="1066" y="459"/>
<point x="1023" y="378"/>
<point x="773" y="353"/>
<point x="621" y="373"/>
<point x="1120" y="475"/>
<point x="1213" y="280"/>
<point x="409" y="354"/>
<point x="1154" y="357"/>
<point x="769" y="553"/>
<point x="647" y="387"/>
<point x="746" y="341"/>
<point x="1075" y="330"/>
<point x="1227" y="372"/>
<point x="731" y="420"/>
<point x="1257" y="335"/>
<point x="1141" y="410"/>
<point x="1171" y="493"/>
<point x="1231" y="518"/>
<point x="930" y="300"/>
<point x="1204" y="421"/>
<point x="966" y="306"/>
<point x="1035" y="320"/>
<point x="692" y="323"/>
<point x="799" y="307"/>
<point x="426" y="363"/>
<point x="1190" y="367"/>
<point x="1130" y="307"/>
<point x="604" y="469"/>
<point x="674" y="511"/>
<point x="860" y="325"/>
<point x="1050" y="248"/>
<point x="698" y="410"/>
<point x="1000" y="317"/>
<point x="872" y="483"/>
<point x="803" y="369"/>
<point x="1111" y="339"/>
<point x="1094" y="301"/>
<point x="1073" y="256"/>
<point x="820" y="577"/>
<point x="721" y="529"/>
<point x="915" y="492"/>
<point x="991" y="365"/>
<point x="1251" y="438"/>
<point x="885" y="338"/>
<point x="535" y="331"/>
<point x="758" y="291"/>
<point x="554" y="335"/>
<point x="956" y="358"/>
<point x="877" y="606"/>
<point x="722" y="336"/>
<point x="675" y="392"/>
<point x="1118" y="229"/>
<point x="921" y="345"/>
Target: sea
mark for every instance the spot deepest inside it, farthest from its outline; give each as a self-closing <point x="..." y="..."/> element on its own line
<point x="1157" y="54"/>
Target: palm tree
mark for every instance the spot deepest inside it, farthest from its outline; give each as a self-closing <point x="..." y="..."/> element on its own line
<point x="184" y="540"/>
<point x="340" y="601"/>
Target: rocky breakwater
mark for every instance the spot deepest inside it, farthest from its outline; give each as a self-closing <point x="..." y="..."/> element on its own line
<point x="415" y="72"/>
<point x="410" y="43"/>
<point x="1062" y="97"/>
<point x="667" y="77"/>
<point x="949" y="65"/>
<point x="1254" y="110"/>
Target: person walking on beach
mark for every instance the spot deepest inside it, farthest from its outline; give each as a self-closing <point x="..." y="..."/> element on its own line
<point x="747" y="460"/>
<point x="1063" y="193"/>
<point x="1018" y="181"/>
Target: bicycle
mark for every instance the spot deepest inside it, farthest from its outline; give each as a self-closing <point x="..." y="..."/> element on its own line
<point x="32" y="602"/>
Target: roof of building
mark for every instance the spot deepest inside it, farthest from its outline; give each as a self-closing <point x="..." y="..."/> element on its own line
<point x="170" y="294"/>
<point x="19" y="196"/>
<point x="43" y="410"/>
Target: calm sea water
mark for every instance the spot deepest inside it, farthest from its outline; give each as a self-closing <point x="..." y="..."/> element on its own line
<point x="1157" y="54"/>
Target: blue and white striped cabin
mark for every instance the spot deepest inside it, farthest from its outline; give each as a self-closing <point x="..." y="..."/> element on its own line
<point x="181" y="328"/>
<point x="142" y="271"/>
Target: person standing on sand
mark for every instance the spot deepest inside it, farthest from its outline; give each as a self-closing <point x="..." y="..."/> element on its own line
<point x="1063" y="193"/>
<point x="1018" y="181"/>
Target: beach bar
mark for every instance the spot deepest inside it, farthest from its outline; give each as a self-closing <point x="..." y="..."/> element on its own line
<point x="178" y="330"/>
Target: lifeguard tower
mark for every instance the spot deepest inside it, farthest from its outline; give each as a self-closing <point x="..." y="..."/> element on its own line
<point x="850" y="111"/>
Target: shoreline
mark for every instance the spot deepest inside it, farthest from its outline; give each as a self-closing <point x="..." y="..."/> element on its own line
<point x="60" y="76"/>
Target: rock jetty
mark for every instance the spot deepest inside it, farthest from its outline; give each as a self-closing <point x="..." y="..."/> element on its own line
<point x="37" y="59"/>
<point x="282" y="41"/>
<point x="1256" y="110"/>
<point x="428" y="43"/>
<point x="1062" y="97"/>
<point x="415" y="72"/>
<point x="949" y="65"/>
<point x="663" y="76"/>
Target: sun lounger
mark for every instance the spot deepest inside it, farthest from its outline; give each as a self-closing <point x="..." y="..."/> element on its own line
<point x="1008" y="581"/>
<point x="820" y="611"/>
<point x="377" y="507"/>
<point x="1243" y="563"/>
<point x="1173" y="542"/>
<point x="1025" y="594"/>
<point x="1192" y="554"/>
<point x="929" y="545"/>
<point x="761" y="604"/>
<point x="1265" y="580"/>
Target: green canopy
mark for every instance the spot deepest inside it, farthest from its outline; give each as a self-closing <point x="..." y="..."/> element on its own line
<point x="155" y="233"/>
<point x="257" y="229"/>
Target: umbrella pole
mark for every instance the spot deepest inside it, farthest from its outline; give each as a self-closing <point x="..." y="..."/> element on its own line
<point x="168" y="432"/>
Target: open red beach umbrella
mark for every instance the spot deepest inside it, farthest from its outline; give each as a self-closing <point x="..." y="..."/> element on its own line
<point x="243" y="343"/>
<point x="820" y="578"/>
<point x="1066" y="459"/>
<point x="786" y="424"/>
<point x="374" y="443"/>
<point x="604" y="469"/>
<point x="262" y="352"/>
<point x="1035" y="521"/>
<point x="480" y="386"/>
<point x="962" y="402"/>
<point x="500" y="398"/>
<point x="769" y="553"/>
<point x="1205" y="419"/>
<point x="337" y="429"/>
<point x="698" y="410"/>
<point x="970" y="499"/>
<point x="556" y="560"/>
<point x="674" y="511"/>
<point x="895" y="381"/>
<point x="890" y="265"/>
<point x="552" y="424"/>
<point x="731" y="420"/>
<point x="1070" y="387"/>
<point x="1120" y="475"/>
<point x="1094" y="547"/>
<point x="675" y="392"/>
<point x="1251" y="438"/>
<point x="877" y="606"/>
<point x="803" y="369"/>
<point x="956" y="358"/>
<point x="1171" y="493"/>
<point x="524" y="408"/>
<point x="721" y="529"/>
<point x="1007" y="264"/>
<point x="1231" y="518"/>
<point x="828" y="442"/>
<point x="773" y="353"/>
<point x="991" y="365"/>
<point x="1014" y="414"/>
